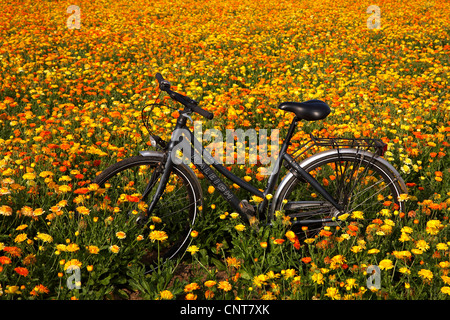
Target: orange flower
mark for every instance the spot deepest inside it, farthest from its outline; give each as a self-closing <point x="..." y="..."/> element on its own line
<point x="306" y="259"/>
<point x="22" y="271"/>
<point x="5" y="260"/>
<point x="278" y="241"/>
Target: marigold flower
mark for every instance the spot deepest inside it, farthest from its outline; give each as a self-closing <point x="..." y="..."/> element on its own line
<point x="5" y="210"/>
<point x="44" y="237"/>
<point x="166" y="295"/>
<point x="114" y="248"/>
<point x="210" y="283"/>
<point x="240" y="227"/>
<point x="22" y="271"/>
<point x="191" y="287"/>
<point x="93" y="249"/>
<point x="73" y="262"/>
<point x="225" y="286"/>
<point x="386" y="264"/>
<point x="333" y="293"/>
<point x="20" y="238"/>
<point x="426" y="274"/>
<point x="121" y="235"/>
<point x="193" y="249"/>
<point x="157" y="235"/>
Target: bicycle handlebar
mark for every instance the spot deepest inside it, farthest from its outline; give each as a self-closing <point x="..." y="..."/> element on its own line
<point x="164" y="85"/>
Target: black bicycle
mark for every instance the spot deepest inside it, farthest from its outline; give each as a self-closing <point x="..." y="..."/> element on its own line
<point x="350" y="177"/>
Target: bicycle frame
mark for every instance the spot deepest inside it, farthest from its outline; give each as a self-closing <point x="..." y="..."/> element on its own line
<point x="199" y="155"/>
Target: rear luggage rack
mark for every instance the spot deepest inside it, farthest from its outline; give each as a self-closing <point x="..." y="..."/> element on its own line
<point x="377" y="146"/>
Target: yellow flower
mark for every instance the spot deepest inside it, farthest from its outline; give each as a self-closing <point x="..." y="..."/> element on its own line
<point x="434" y="226"/>
<point x="442" y="246"/>
<point x="446" y="279"/>
<point x="114" y="248"/>
<point x="445" y="290"/>
<point x="64" y="188"/>
<point x="234" y="215"/>
<point x="44" y="237"/>
<point x="194" y="234"/>
<point x="93" y="249"/>
<point x="358" y="215"/>
<point x="156" y="219"/>
<point x="73" y="262"/>
<point x="333" y="293"/>
<point x="385" y="264"/>
<point x="83" y="210"/>
<point x="166" y="295"/>
<point x="73" y="247"/>
<point x="224" y="285"/>
<point x="260" y="280"/>
<point x="5" y="210"/>
<point x="158" y="236"/>
<point x="406" y="230"/>
<point x="426" y="274"/>
<point x="193" y="249"/>
<point x="317" y="278"/>
<point x="20" y="238"/>
<point x="210" y="283"/>
<point x="121" y="235"/>
<point x="240" y="227"/>
<point x="422" y="245"/>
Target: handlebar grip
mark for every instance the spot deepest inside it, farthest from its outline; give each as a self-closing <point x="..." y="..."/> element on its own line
<point x="159" y="77"/>
<point x="163" y="84"/>
<point x="208" y="115"/>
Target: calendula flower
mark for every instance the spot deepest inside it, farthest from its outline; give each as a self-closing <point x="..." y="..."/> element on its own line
<point x="114" y="248"/>
<point x="158" y="236"/>
<point x="422" y="245"/>
<point x="191" y="287"/>
<point x="44" y="237"/>
<point x="73" y="262"/>
<point x="193" y="249"/>
<point x="225" y="286"/>
<point x="5" y="210"/>
<point x="121" y="235"/>
<point x="83" y="210"/>
<point x="240" y="227"/>
<point x="22" y="271"/>
<point x="445" y="290"/>
<point x="426" y="274"/>
<point x="386" y="264"/>
<point x="333" y="293"/>
<point x="210" y="283"/>
<point x="434" y="226"/>
<point x="166" y="295"/>
<point x="317" y="277"/>
<point x="20" y="238"/>
<point x="93" y="249"/>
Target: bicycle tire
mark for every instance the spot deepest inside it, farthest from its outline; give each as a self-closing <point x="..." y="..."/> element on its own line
<point x="172" y="219"/>
<point x="372" y="166"/>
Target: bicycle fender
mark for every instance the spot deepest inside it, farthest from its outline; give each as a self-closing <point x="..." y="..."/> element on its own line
<point x="152" y="153"/>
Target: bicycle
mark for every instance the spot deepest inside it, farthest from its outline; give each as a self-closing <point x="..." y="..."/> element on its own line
<point x="315" y="192"/>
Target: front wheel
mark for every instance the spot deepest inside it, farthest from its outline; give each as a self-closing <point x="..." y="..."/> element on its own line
<point x="168" y="228"/>
<point x="365" y="185"/>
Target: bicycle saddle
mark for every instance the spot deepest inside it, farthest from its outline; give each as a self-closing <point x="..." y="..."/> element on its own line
<point x="310" y="110"/>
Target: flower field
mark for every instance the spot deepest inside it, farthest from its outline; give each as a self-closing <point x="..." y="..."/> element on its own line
<point x="70" y="106"/>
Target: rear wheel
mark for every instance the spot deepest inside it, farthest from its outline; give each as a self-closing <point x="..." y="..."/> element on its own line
<point x="122" y="186"/>
<point x="365" y="185"/>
